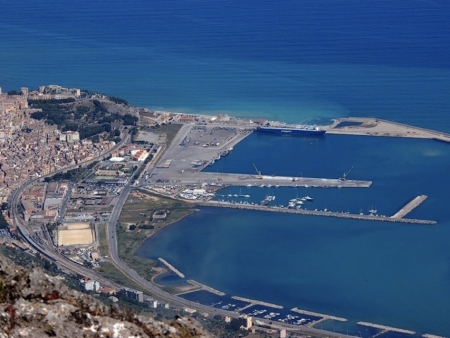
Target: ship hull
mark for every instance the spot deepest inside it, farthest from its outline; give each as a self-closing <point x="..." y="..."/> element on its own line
<point x="291" y="131"/>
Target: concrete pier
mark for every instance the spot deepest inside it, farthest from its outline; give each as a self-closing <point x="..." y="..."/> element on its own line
<point x="171" y="267"/>
<point x="315" y="314"/>
<point x="265" y="181"/>
<point x="427" y="335"/>
<point x="313" y="212"/>
<point x="377" y="127"/>
<point x="410" y="206"/>
<point x="386" y="328"/>
<point x="257" y="302"/>
<point x="206" y="287"/>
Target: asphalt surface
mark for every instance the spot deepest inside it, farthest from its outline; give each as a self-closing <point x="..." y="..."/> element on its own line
<point x="73" y="267"/>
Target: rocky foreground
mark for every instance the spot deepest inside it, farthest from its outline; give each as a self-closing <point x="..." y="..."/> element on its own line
<point x="34" y="304"/>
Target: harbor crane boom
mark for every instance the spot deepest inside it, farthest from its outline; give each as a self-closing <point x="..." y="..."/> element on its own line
<point x="344" y="175"/>
<point x="258" y="172"/>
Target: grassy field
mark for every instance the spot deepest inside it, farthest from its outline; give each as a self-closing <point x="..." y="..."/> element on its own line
<point x="170" y="130"/>
<point x="109" y="270"/>
<point x="103" y="247"/>
<point x="137" y="211"/>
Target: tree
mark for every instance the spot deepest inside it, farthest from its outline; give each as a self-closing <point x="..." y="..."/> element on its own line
<point x="118" y="100"/>
<point x="3" y="223"/>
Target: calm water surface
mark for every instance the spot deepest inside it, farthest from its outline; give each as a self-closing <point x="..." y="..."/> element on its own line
<point x="293" y="61"/>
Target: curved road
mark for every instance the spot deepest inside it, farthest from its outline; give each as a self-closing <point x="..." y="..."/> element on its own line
<point x="49" y="251"/>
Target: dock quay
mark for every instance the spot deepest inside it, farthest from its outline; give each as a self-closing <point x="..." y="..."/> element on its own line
<point x="414" y="203"/>
<point x="385" y="328"/>
<point x="378" y="127"/>
<point x="315" y="314"/>
<point x="266" y="181"/>
<point x="256" y="302"/>
<point x="221" y="204"/>
<point x="171" y="267"/>
<point x="206" y="287"/>
<point x="427" y="335"/>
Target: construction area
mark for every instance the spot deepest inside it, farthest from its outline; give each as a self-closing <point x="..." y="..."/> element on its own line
<point x="364" y="126"/>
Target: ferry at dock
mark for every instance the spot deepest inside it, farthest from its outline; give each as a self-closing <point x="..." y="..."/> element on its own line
<point x="295" y="130"/>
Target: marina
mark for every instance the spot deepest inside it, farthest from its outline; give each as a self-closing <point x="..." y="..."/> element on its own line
<point x="410" y="206"/>
<point x="371" y="217"/>
<point x="246" y="187"/>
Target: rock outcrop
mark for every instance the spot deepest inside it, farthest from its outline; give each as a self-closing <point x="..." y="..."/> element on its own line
<point x="34" y="304"/>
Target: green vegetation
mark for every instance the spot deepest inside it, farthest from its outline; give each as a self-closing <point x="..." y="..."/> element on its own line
<point x="118" y="100"/>
<point x="170" y="130"/>
<point x="103" y="247"/>
<point x="109" y="270"/>
<point x="23" y="259"/>
<point x="90" y="120"/>
<point x="71" y="175"/>
<point x="3" y="223"/>
<point x="139" y="213"/>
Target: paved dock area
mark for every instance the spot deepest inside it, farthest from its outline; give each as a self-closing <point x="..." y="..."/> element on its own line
<point x="221" y="204"/>
<point x="378" y="127"/>
<point x="410" y="206"/>
<point x="197" y="146"/>
<point x="264" y="181"/>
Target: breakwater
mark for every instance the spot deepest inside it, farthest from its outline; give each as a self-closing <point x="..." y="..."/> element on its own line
<point x="386" y="328"/>
<point x="410" y="206"/>
<point x="315" y="314"/>
<point x="257" y="302"/>
<point x="171" y="268"/>
<point x="221" y="204"/>
<point x="206" y="287"/>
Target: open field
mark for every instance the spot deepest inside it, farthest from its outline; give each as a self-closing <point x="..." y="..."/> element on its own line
<point x="103" y="247"/>
<point x="138" y="210"/>
<point x="75" y="234"/>
<point x="109" y="271"/>
<point x="163" y="134"/>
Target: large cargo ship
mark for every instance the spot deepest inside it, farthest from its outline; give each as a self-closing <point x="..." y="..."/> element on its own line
<point x="305" y="130"/>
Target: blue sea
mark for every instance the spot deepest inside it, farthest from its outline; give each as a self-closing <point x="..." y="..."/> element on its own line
<point x="296" y="61"/>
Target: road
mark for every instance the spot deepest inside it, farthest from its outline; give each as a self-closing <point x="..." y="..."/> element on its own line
<point x="62" y="261"/>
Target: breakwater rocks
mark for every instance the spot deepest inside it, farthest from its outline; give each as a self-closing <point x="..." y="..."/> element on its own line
<point x="220" y="204"/>
<point x="172" y="268"/>
<point x="35" y="304"/>
<point x="206" y="287"/>
<point x="257" y="302"/>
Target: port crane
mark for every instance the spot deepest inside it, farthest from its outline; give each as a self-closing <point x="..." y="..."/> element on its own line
<point x="344" y="175"/>
<point x="258" y="172"/>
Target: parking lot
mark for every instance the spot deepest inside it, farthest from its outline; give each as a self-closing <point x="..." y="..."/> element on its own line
<point x="195" y="147"/>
